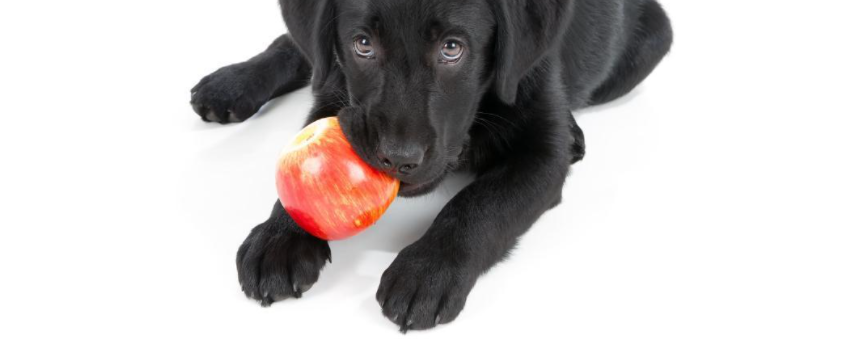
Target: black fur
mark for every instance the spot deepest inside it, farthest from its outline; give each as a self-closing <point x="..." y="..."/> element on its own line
<point x="502" y="111"/>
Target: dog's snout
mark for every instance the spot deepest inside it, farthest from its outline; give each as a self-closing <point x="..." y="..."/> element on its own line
<point x="400" y="159"/>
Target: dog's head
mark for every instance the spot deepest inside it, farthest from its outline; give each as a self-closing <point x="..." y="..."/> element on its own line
<point x="416" y="71"/>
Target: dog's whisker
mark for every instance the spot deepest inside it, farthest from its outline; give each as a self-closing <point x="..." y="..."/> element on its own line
<point x="505" y="119"/>
<point x="493" y="130"/>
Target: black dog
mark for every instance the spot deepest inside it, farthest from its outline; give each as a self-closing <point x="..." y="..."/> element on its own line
<point x="425" y="87"/>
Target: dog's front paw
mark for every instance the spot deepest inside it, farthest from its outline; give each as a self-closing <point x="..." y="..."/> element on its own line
<point x="278" y="261"/>
<point x="424" y="287"/>
<point x="231" y="94"/>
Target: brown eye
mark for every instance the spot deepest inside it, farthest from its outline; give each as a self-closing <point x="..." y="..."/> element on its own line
<point x="452" y="51"/>
<point x="363" y="47"/>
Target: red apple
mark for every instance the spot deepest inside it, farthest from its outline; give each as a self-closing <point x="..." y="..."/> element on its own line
<point x="326" y="188"/>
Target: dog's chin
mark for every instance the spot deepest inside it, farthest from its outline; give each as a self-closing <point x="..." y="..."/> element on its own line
<point x="410" y="190"/>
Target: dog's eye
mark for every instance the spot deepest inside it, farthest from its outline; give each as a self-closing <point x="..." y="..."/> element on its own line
<point x="363" y="47"/>
<point x="452" y="51"/>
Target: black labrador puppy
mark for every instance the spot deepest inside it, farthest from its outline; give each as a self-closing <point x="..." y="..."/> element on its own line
<point x="426" y="87"/>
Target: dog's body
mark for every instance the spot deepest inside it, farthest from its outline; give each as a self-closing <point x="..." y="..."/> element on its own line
<point x="424" y="87"/>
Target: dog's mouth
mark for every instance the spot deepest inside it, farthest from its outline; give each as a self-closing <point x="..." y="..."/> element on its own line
<point x="408" y="190"/>
<point x="406" y="187"/>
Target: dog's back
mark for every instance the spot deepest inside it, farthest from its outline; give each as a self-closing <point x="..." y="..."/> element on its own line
<point x="611" y="46"/>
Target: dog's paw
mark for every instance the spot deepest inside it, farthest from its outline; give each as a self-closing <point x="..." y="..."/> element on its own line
<point x="422" y="289"/>
<point x="231" y="94"/>
<point x="278" y="261"/>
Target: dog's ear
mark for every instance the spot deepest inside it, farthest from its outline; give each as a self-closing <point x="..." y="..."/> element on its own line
<point x="525" y="31"/>
<point x="311" y="25"/>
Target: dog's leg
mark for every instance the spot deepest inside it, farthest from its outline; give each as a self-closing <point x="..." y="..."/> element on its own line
<point x="279" y="260"/>
<point x="429" y="281"/>
<point x="234" y="93"/>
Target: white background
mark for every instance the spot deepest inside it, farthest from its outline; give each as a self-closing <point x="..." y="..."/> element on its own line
<point x="715" y="200"/>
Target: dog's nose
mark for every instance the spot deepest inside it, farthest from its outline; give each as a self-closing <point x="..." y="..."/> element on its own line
<point x="400" y="160"/>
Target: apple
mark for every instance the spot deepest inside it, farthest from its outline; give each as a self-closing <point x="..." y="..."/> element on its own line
<point x="326" y="188"/>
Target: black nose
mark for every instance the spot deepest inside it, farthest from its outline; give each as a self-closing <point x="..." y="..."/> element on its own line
<point x="403" y="160"/>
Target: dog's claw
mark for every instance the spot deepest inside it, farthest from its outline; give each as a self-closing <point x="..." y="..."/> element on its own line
<point x="297" y="291"/>
<point x="406" y="326"/>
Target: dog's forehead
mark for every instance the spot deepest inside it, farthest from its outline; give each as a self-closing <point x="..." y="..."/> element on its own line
<point x="414" y="14"/>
